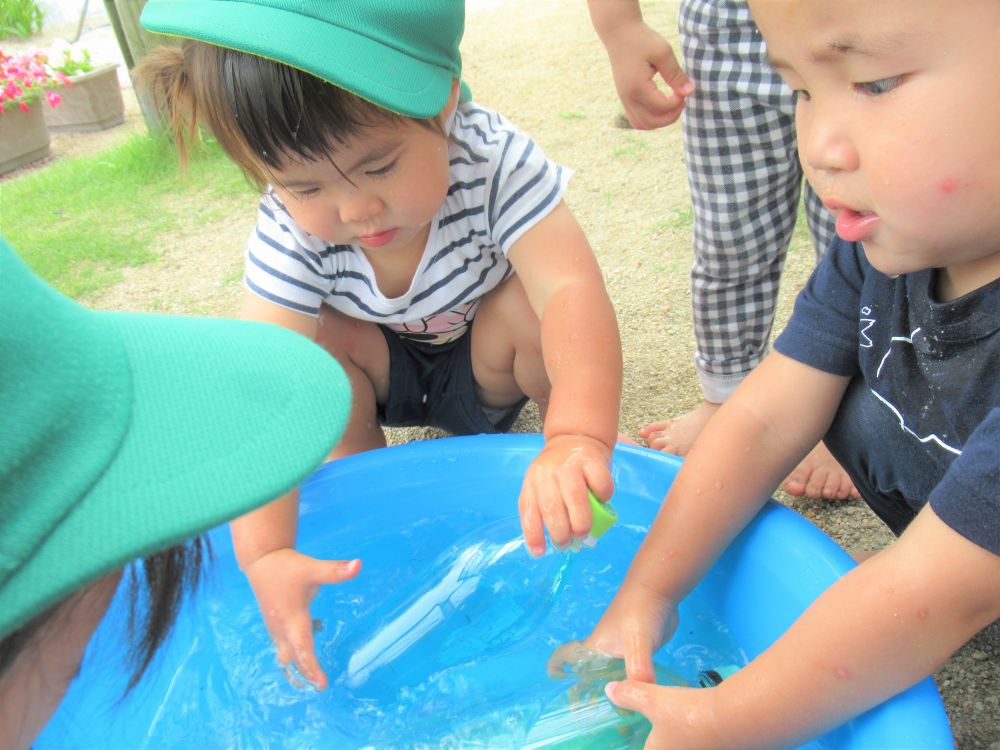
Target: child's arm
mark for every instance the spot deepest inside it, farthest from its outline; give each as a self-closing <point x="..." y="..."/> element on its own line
<point x="581" y="349"/>
<point x="773" y="419"/>
<point x="881" y="628"/>
<point x="283" y="580"/>
<point x="637" y="53"/>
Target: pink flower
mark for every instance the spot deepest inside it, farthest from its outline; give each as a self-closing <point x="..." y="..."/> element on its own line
<point x="25" y="77"/>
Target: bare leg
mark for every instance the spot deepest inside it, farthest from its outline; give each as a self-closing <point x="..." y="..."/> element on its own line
<point x="361" y="350"/>
<point x="507" y="349"/>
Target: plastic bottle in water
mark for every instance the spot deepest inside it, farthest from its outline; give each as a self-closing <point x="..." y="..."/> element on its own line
<point x="582" y="716"/>
<point x="484" y="594"/>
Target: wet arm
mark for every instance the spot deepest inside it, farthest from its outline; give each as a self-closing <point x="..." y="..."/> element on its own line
<point x="880" y="629"/>
<point x="581" y="346"/>
<point x="770" y="422"/>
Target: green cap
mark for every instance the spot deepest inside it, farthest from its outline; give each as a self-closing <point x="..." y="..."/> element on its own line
<point x="603" y="514"/>
<point x="400" y="54"/>
<point x="123" y="434"/>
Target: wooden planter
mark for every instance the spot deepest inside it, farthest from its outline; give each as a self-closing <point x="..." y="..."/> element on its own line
<point x="23" y="136"/>
<point x="93" y="101"/>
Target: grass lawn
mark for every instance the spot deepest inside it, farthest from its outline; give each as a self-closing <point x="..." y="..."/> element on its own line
<point x="80" y="221"/>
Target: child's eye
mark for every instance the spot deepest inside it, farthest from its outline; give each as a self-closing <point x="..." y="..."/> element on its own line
<point x="383" y="171"/>
<point x="879" y="87"/>
<point x="307" y="192"/>
<point x="801" y="95"/>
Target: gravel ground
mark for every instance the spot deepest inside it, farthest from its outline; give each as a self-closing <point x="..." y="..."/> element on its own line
<point x="539" y="63"/>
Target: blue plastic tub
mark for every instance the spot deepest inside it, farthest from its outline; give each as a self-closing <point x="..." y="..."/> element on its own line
<point x="216" y="686"/>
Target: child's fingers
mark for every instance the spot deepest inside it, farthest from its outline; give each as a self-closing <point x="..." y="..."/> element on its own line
<point x="639" y="663"/>
<point x="531" y="521"/>
<point x="666" y="64"/>
<point x="304" y="651"/>
<point x="282" y="650"/>
<point x="629" y="694"/>
<point x="650" y="108"/>
<point x="554" y="512"/>
<point x="598" y="477"/>
<point x="336" y="571"/>
<point x="573" y="489"/>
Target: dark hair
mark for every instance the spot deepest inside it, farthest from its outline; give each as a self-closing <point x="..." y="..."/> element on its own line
<point x="156" y="589"/>
<point x="263" y="113"/>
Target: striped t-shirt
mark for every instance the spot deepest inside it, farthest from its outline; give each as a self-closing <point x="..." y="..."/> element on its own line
<point x="501" y="185"/>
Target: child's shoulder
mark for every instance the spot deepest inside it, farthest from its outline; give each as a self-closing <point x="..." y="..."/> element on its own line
<point x="481" y="122"/>
<point x="487" y="137"/>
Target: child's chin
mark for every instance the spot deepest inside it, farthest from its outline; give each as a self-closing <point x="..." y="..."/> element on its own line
<point x="885" y="261"/>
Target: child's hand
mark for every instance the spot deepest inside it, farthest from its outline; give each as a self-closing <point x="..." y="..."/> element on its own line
<point x="681" y="717"/>
<point x="554" y="493"/>
<point x="637" y="54"/>
<point x="285" y="583"/>
<point x="630" y="629"/>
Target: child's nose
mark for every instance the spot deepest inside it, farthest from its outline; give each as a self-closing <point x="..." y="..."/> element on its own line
<point x="825" y="141"/>
<point x="359" y="208"/>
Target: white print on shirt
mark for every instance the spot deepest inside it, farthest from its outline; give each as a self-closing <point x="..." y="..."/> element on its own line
<point x="866" y="342"/>
<point x="932" y="438"/>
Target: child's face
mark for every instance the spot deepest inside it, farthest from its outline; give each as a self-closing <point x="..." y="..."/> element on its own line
<point x="898" y="120"/>
<point x="380" y="190"/>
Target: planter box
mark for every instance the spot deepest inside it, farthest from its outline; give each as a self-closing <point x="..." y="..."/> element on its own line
<point x="93" y="102"/>
<point x="23" y="136"/>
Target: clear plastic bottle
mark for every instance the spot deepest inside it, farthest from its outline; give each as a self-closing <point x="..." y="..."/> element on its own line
<point x="581" y="716"/>
<point x="484" y="594"/>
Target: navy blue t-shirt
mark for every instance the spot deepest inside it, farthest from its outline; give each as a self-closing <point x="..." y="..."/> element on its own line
<point x="920" y="420"/>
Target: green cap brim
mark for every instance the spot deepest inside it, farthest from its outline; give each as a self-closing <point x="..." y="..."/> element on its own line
<point x="208" y="419"/>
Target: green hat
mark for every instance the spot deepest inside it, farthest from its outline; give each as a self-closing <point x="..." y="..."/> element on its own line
<point x="400" y="54"/>
<point x="122" y="434"/>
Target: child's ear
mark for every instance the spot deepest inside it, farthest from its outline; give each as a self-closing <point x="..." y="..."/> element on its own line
<point x="452" y="103"/>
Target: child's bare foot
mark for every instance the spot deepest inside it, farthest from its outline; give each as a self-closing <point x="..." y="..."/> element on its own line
<point x="819" y="475"/>
<point x="677" y="435"/>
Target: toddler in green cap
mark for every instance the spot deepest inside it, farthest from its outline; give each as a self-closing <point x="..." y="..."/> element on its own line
<point x="124" y="436"/>
<point x="418" y="236"/>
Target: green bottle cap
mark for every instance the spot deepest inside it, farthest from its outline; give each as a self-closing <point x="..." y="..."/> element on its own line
<point x="604" y="516"/>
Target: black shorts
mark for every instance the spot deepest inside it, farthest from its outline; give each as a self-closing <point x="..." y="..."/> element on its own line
<point x="431" y="385"/>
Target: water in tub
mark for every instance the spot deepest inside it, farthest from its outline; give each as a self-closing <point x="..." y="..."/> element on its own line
<point x="477" y="679"/>
<point x="429" y="647"/>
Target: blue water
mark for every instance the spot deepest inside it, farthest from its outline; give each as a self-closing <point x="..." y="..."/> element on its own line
<point x="450" y="705"/>
<point x="224" y="689"/>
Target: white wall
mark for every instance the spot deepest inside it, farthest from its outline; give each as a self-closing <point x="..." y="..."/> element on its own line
<point x="62" y="12"/>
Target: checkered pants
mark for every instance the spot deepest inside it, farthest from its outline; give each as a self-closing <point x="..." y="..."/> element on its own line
<point x="745" y="179"/>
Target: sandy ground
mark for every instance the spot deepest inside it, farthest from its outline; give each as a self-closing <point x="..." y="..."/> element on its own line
<point x="539" y="63"/>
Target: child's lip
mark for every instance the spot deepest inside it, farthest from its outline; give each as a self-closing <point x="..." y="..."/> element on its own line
<point x="855" y="226"/>
<point x="378" y="239"/>
<point x="834" y="205"/>
<point x="852" y="225"/>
